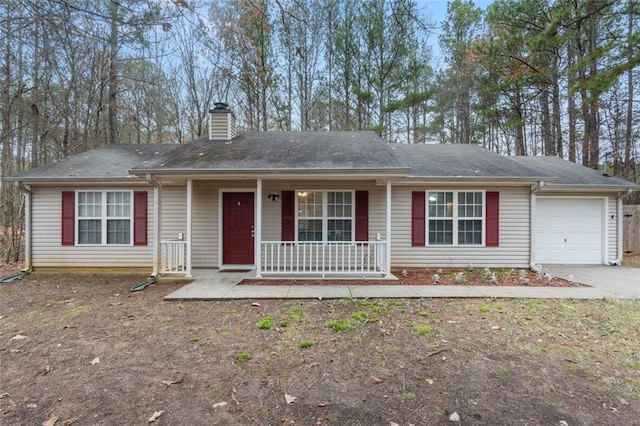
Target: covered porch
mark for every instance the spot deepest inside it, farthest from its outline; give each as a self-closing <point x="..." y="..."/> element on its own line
<point x="230" y="224"/>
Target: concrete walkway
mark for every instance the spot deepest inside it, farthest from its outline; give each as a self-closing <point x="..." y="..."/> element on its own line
<point x="603" y="281"/>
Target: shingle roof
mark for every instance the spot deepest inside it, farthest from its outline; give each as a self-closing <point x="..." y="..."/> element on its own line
<point x="569" y="173"/>
<point x="322" y="152"/>
<point x="460" y="161"/>
<point x="107" y="162"/>
<point x="279" y="151"/>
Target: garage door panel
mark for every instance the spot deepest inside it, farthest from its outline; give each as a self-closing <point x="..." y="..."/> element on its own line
<point x="569" y="231"/>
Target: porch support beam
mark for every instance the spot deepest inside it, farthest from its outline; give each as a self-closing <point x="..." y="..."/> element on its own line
<point x="388" y="251"/>
<point x="157" y="194"/>
<point x="189" y="226"/>
<point x="258" y="229"/>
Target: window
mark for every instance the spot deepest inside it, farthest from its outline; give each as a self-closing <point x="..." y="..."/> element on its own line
<point x="325" y="215"/>
<point x="455" y="217"/>
<point x="104" y="217"/>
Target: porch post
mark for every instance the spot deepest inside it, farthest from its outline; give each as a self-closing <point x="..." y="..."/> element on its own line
<point x="157" y="194"/>
<point x="189" y="231"/>
<point x="258" y="229"/>
<point x="388" y="251"/>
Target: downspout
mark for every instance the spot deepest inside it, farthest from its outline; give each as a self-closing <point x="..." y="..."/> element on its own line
<point x="27" y="225"/>
<point x="620" y="225"/>
<point x="532" y="231"/>
<point x="156" y="223"/>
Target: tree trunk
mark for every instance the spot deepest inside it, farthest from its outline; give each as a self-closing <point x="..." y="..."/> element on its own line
<point x="113" y="73"/>
<point x="628" y="146"/>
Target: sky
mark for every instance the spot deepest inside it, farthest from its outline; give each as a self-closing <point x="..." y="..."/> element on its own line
<point x="436" y="10"/>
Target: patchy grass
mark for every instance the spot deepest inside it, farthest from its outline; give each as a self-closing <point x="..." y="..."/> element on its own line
<point x="266" y="323"/>
<point x="494" y="361"/>
<point x="304" y="344"/>
<point x="243" y="357"/>
<point x="337" y="326"/>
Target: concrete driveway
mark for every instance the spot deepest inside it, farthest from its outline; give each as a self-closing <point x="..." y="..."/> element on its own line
<point x="619" y="281"/>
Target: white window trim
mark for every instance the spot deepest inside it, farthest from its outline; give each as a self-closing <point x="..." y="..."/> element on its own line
<point x="455" y="218"/>
<point x="103" y="218"/>
<point x="325" y="216"/>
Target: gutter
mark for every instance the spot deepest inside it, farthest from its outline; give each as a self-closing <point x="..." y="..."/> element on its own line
<point x="251" y="173"/>
<point x="620" y="225"/>
<point x="590" y="188"/>
<point x="50" y="181"/>
<point x="27" y="225"/>
<point x="532" y="231"/>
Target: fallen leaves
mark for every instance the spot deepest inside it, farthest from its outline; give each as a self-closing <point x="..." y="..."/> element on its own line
<point x="290" y="398"/>
<point x="376" y="380"/>
<point x="155" y="416"/>
<point x="51" y="420"/>
<point x="171" y="381"/>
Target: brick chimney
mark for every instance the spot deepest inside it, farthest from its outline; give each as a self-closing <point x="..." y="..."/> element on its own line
<point x="222" y="123"/>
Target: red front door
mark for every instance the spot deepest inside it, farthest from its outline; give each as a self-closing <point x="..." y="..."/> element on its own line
<point x="237" y="228"/>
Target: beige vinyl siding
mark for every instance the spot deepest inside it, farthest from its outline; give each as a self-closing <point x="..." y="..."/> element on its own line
<point x="174" y="212"/>
<point x="513" y="250"/>
<point x="612" y="229"/>
<point x="47" y="250"/>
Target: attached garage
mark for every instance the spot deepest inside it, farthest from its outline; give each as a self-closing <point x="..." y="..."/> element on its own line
<point x="570" y="230"/>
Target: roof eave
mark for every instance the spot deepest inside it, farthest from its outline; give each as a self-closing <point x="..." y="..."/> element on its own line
<point x="482" y="180"/>
<point x="75" y="179"/>
<point x="250" y="173"/>
<point x="588" y="188"/>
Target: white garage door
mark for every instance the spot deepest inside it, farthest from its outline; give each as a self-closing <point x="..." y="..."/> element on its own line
<point x="568" y="230"/>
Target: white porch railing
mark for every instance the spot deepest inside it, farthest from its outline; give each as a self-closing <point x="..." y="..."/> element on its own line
<point x="318" y="258"/>
<point x="173" y="257"/>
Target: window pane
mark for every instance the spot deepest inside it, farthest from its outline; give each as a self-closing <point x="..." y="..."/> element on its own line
<point x="118" y="204"/>
<point x="440" y="204"/>
<point x="440" y="232"/>
<point x="89" y="204"/>
<point x="310" y="230"/>
<point x="470" y="232"/>
<point x="339" y="230"/>
<point x="89" y="231"/>
<point x="339" y="204"/>
<point x="118" y="231"/>
<point x="470" y="204"/>
<point x="309" y="204"/>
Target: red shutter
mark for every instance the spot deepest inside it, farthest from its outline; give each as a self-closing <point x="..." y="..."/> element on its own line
<point x="288" y="215"/>
<point x="362" y="215"/>
<point x="418" y="218"/>
<point x="68" y="218"/>
<point x="492" y="219"/>
<point x="140" y="218"/>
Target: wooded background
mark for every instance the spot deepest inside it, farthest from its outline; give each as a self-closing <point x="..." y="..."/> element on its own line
<point x="526" y="77"/>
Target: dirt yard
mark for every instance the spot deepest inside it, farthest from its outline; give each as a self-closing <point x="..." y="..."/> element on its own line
<point x="84" y="350"/>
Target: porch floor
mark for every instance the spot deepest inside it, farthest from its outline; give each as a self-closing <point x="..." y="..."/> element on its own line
<point x="211" y="284"/>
